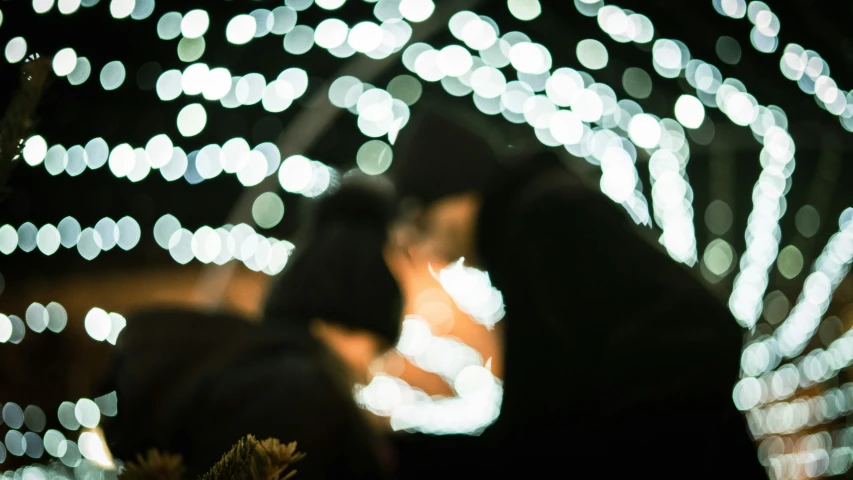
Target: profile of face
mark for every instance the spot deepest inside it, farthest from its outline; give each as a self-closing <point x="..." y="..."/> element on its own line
<point x="357" y="348"/>
<point x="443" y="232"/>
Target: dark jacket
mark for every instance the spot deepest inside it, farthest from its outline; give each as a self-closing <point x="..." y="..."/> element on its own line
<point x="618" y="362"/>
<point x="194" y="383"/>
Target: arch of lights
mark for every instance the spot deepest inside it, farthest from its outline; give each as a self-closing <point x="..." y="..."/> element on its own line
<point x="806" y="67"/>
<point x="763" y="232"/>
<point x="621" y="129"/>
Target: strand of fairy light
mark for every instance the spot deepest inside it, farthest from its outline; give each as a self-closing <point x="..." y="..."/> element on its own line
<point x="459" y="408"/>
<point x="221" y="245"/>
<point x="478" y="392"/>
<point x="663" y="138"/>
<point x="472" y="291"/>
<point x="375" y="41"/>
<point x="769" y="124"/>
<point x="119" y="9"/>
<point x="425" y="61"/>
<point x="214" y="83"/>
<point x="297" y="174"/>
<point x="16" y="48"/>
<point x="455" y="67"/>
<point x="791" y="417"/>
<point x="83" y="415"/>
<point x="671" y="190"/>
<point x="792" y="336"/>
<point x="90" y="242"/>
<point x="815" y="455"/>
<point x="99" y="324"/>
<point x="806" y="67"/>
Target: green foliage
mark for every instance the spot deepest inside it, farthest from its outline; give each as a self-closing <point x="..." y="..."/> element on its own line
<point x="249" y="459"/>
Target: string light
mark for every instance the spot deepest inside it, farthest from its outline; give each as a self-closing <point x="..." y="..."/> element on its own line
<point x="818" y="454"/>
<point x="39" y="318"/>
<point x="379" y="113"/>
<point x="516" y="100"/>
<point x="461" y="73"/>
<point x="156" y="155"/>
<point x="106" y="234"/>
<point x="250" y="165"/>
<point x="221" y="245"/>
<point x="791" y="417"/>
<point x="103" y="326"/>
<point x="806" y="67"/>
<point x="479" y="393"/>
<point x="16" y="50"/>
<point x="769" y="124"/>
<point x="473" y="293"/>
<point x="84" y="414"/>
<point x="792" y="336"/>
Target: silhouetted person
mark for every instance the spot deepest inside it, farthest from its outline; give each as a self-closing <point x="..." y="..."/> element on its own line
<point x="193" y="383"/>
<point x="618" y="363"/>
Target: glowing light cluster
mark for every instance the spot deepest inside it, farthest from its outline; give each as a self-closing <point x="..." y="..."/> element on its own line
<point x="16" y="49"/>
<point x="478" y="392"/>
<point x="119" y="9"/>
<point x="221" y="245"/>
<point x="589" y="102"/>
<point x="670" y="58"/>
<point x="68" y="465"/>
<point x="76" y="69"/>
<point x="377" y="41"/>
<point x="103" y="326"/>
<point x="817" y="366"/>
<point x="792" y="336"/>
<point x="250" y="165"/>
<point x="301" y="175"/>
<point x="38" y="317"/>
<point x="12" y="329"/>
<point x="379" y="113"/>
<point x="374" y="40"/>
<point x="106" y="234"/>
<point x="473" y="293"/>
<point x="524" y="10"/>
<point x="624" y="25"/>
<point x="791" y="417"/>
<point x="811" y="72"/>
<point x="517" y="103"/>
<point x="233" y="91"/>
<point x="85" y="413"/>
<point x="827" y="364"/>
<point x="806" y="67"/>
<point x="765" y="31"/>
<point x="444" y="356"/>
<point x="820" y="454"/>
<point x="762" y="230"/>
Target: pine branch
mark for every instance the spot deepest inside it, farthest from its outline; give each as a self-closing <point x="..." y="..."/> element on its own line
<point x="17" y="123"/>
<point x="251" y="459"/>
<point x="154" y="466"/>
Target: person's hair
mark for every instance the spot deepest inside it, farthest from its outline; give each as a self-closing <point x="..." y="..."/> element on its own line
<point x="436" y="156"/>
<point x="339" y="274"/>
<point x="502" y="191"/>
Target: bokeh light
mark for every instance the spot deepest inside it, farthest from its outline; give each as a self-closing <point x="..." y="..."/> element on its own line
<point x="268" y="210"/>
